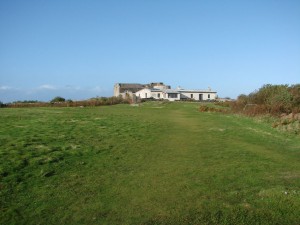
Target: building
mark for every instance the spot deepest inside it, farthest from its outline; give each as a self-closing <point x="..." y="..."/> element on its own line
<point x="163" y="92"/>
<point x="123" y="88"/>
<point x="177" y="94"/>
<point x="198" y="95"/>
<point x="131" y="88"/>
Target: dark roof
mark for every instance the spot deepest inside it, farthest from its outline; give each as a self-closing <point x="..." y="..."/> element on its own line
<point x="130" y="87"/>
<point x="134" y="87"/>
<point x="125" y="85"/>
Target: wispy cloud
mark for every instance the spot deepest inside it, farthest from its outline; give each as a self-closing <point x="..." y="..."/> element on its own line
<point x="47" y="87"/>
<point x="97" y="89"/>
<point x="5" y="88"/>
<point x="71" y="87"/>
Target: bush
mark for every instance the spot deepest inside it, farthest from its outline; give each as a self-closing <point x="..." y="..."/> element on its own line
<point x="269" y="99"/>
<point x="57" y="99"/>
<point x="2" y="104"/>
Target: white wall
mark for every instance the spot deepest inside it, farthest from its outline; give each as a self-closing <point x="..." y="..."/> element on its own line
<point x="196" y="95"/>
<point x="116" y="90"/>
<point x="144" y="93"/>
<point x="155" y="95"/>
<point x="213" y="96"/>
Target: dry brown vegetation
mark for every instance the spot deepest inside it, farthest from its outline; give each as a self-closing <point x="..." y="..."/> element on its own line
<point x="269" y="99"/>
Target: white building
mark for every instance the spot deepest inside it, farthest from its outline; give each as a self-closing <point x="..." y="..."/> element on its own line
<point x="198" y="95"/>
<point x="176" y="94"/>
<point x="125" y="89"/>
<point x="144" y="93"/>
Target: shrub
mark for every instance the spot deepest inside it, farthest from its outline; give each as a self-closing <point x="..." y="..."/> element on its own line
<point x="58" y="99"/>
<point x="207" y="108"/>
<point x="2" y="104"/>
<point x="269" y="99"/>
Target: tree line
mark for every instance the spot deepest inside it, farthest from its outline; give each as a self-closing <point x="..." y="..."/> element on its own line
<point x="62" y="102"/>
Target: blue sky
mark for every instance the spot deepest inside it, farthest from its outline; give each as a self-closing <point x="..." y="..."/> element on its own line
<point x="79" y="49"/>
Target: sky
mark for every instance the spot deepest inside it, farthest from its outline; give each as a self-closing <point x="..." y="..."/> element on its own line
<point x="80" y="49"/>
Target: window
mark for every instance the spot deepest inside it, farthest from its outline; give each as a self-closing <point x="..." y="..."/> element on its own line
<point x="192" y="95"/>
<point x="158" y="95"/>
<point x="208" y="96"/>
<point x="172" y="95"/>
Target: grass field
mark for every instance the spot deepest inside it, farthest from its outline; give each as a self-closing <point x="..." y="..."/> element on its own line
<point x="159" y="163"/>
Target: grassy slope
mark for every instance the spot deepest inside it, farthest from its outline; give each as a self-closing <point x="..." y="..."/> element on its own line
<point x="154" y="164"/>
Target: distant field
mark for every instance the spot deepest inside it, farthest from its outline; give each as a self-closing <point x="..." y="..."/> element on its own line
<point x="159" y="163"/>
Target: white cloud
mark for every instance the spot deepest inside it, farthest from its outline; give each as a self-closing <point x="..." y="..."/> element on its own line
<point x="47" y="87"/>
<point x="5" y="88"/>
<point x="97" y="89"/>
<point x="70" y="87"/>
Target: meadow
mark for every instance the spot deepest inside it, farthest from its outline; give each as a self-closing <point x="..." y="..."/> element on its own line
<point x="158" y="163"/>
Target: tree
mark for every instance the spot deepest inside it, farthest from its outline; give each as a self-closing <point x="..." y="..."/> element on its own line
<point x="58" y="99"/>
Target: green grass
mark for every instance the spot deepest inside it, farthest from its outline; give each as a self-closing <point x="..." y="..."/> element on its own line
<point x="160" y="163"/>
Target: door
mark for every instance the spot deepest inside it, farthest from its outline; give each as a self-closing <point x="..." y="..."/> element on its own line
<point x="200" y="97"/>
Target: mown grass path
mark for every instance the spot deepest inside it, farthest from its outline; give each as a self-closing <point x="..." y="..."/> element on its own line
<point x="160" y="163"/>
